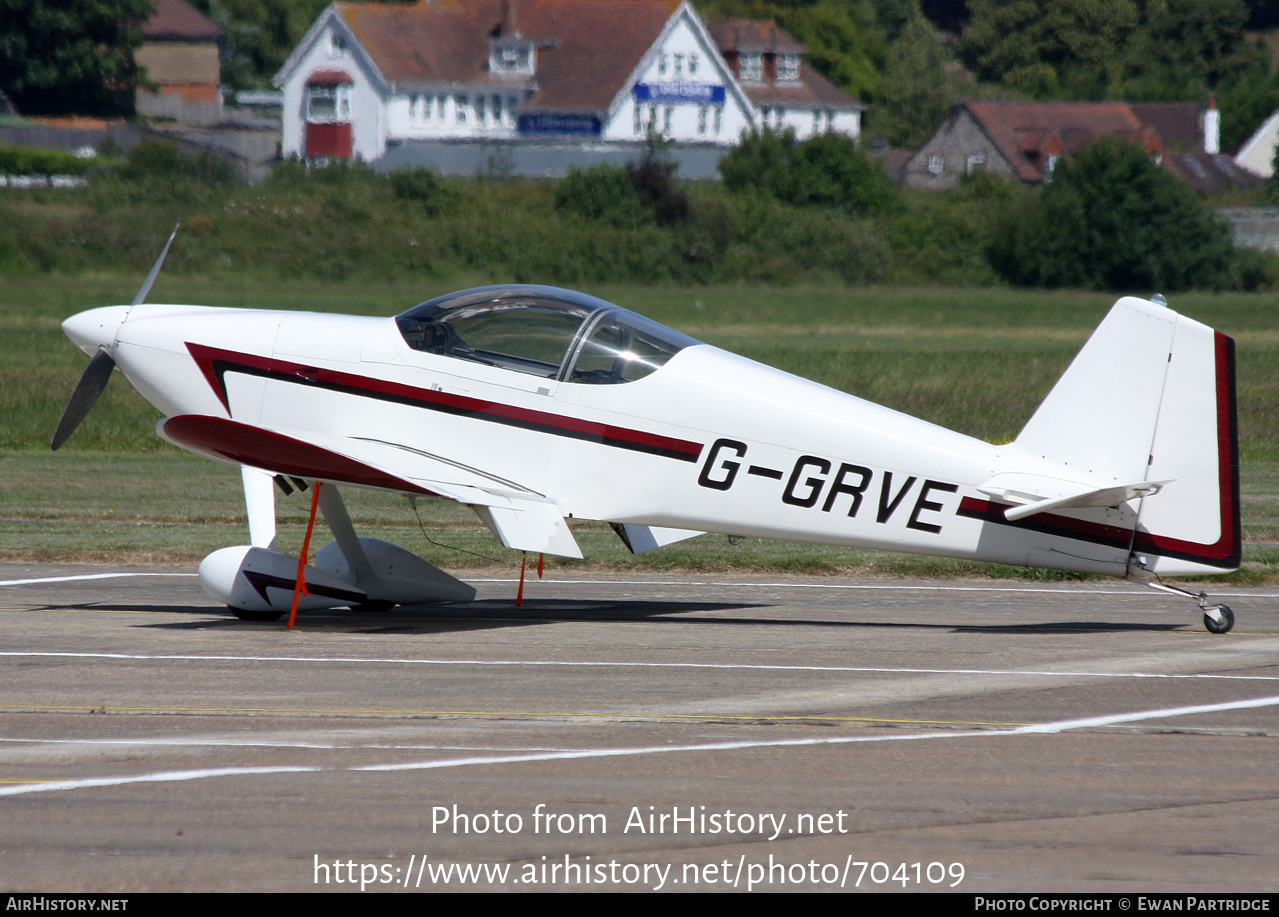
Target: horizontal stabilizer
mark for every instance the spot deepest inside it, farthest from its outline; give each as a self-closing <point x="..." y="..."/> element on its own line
<point x="1031" y="502"/>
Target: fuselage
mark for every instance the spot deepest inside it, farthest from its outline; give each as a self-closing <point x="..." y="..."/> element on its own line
<point x="709" y="441"/>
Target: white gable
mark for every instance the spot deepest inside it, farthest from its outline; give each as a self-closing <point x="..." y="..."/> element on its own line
<point x="682" y="90"/>
<point x="1258" y="153"/>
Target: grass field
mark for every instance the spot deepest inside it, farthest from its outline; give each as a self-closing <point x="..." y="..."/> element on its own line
<point x="975" y="360"/>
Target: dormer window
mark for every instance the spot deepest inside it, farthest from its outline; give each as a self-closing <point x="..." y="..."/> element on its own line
<point x="787" y="68"/>
<point x="692" y="65"/>
<point x="337" y="45"/>
<point x="514" y="58"/>
<point x="751" y="67"/>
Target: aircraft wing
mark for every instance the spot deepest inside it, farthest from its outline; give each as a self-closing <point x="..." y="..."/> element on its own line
<point x="519" y="517"/>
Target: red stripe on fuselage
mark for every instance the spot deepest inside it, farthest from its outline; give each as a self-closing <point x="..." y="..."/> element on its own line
<point x="213" y="362"/>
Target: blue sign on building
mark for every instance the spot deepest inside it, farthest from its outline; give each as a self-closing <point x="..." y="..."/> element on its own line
<point x="697" y="93"/>
<point x="550" y="123"/>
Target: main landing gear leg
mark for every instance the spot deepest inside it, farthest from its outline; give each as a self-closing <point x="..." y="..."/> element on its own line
<point x="1218" y="619"/>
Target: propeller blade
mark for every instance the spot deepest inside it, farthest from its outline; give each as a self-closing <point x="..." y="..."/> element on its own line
<point x="86" y="394"/>
<point x="155" y="270"/>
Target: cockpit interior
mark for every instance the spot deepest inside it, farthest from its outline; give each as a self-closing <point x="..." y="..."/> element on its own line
<point x="542" y="331"/>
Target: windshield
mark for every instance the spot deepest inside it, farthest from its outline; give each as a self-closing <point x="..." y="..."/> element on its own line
<point x="542" y="331"/>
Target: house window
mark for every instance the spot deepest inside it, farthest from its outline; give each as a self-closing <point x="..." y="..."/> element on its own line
<point x="440" y="103"/>
<point x="461" y="109"/>
<point x="692" y="65"/>
<point x="702" y="112"/>
<point x="661" y="64"/>
<point x="751" y="67"/>
<point x="639" y="120"/>
<point x="679" y="65"/>
<point x="935" y="165"/>
<point x="719" y="119"/>
<point x="499" y="116"/>
<point x="328" y="103"/>
<point x="787" y="68"/>
<point x="666" y="120"/>
<point x="337" y="45"/>
<point x="514" y="58"/>
<point x="976" y="162"/>
<point x="481" y="112"/>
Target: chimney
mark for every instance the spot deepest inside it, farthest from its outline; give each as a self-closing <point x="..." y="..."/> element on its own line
<point x="510" y="20"/>
<point x="1212" y="127"/>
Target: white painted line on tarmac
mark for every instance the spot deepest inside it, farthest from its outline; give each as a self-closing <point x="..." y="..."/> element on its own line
<point x="571" y="754"/>
<point x="1060" y="726"/>
<point x="1117" y="718"/>
<point x="348" y="660"/>
<point x="159" y="777"/>
<point x="67" y="579"/>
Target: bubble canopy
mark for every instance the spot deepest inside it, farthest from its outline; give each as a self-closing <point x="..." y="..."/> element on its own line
<point x="542" y="331"/>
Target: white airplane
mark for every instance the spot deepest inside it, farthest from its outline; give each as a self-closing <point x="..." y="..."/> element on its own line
<point x="535" y="406"/>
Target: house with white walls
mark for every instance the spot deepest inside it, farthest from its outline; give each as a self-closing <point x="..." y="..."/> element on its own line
<point x="370" y="77"/>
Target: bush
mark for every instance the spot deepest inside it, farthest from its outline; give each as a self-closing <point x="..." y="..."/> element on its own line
<point x="604" y="193"/>
<point x="422" y="186"/>
<point x="161" y="160"/>
<point x="20" y="160"/>
<point x="764" y="161"/>
<point x="827" y="169"/>
<point x="1111" y="219"/>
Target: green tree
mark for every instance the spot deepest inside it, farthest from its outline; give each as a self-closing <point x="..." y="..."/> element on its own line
<point x="260" y="35"/>
<point x="1185" y="47"/>
<point x="1247" y="102"/>
<point x="917" y="89"/>
<point x="1069" y="47"/>
<point x="1111" y="219"/>
<point x="70" y="56"/>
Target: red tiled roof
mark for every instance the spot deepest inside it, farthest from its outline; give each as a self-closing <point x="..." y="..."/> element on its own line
<point x="586" y="49"/>
<point x="1178" y="123"/>
<point x="1025" y="132"/>
<point x="812" y="91"/>
<point x="753" y="36"/>
<point x="176" y="20"/>
<point x="1210" y="173"/>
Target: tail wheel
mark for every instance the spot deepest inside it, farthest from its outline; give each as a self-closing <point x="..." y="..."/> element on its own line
<point x="1222" y="626"/>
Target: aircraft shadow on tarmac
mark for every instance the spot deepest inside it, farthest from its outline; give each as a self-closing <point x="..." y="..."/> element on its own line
<point x="495" y="614"/>
<point x="481" y="615"/>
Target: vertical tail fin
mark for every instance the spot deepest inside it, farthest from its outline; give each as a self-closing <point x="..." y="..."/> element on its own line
<point x="1151" y="397"/>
